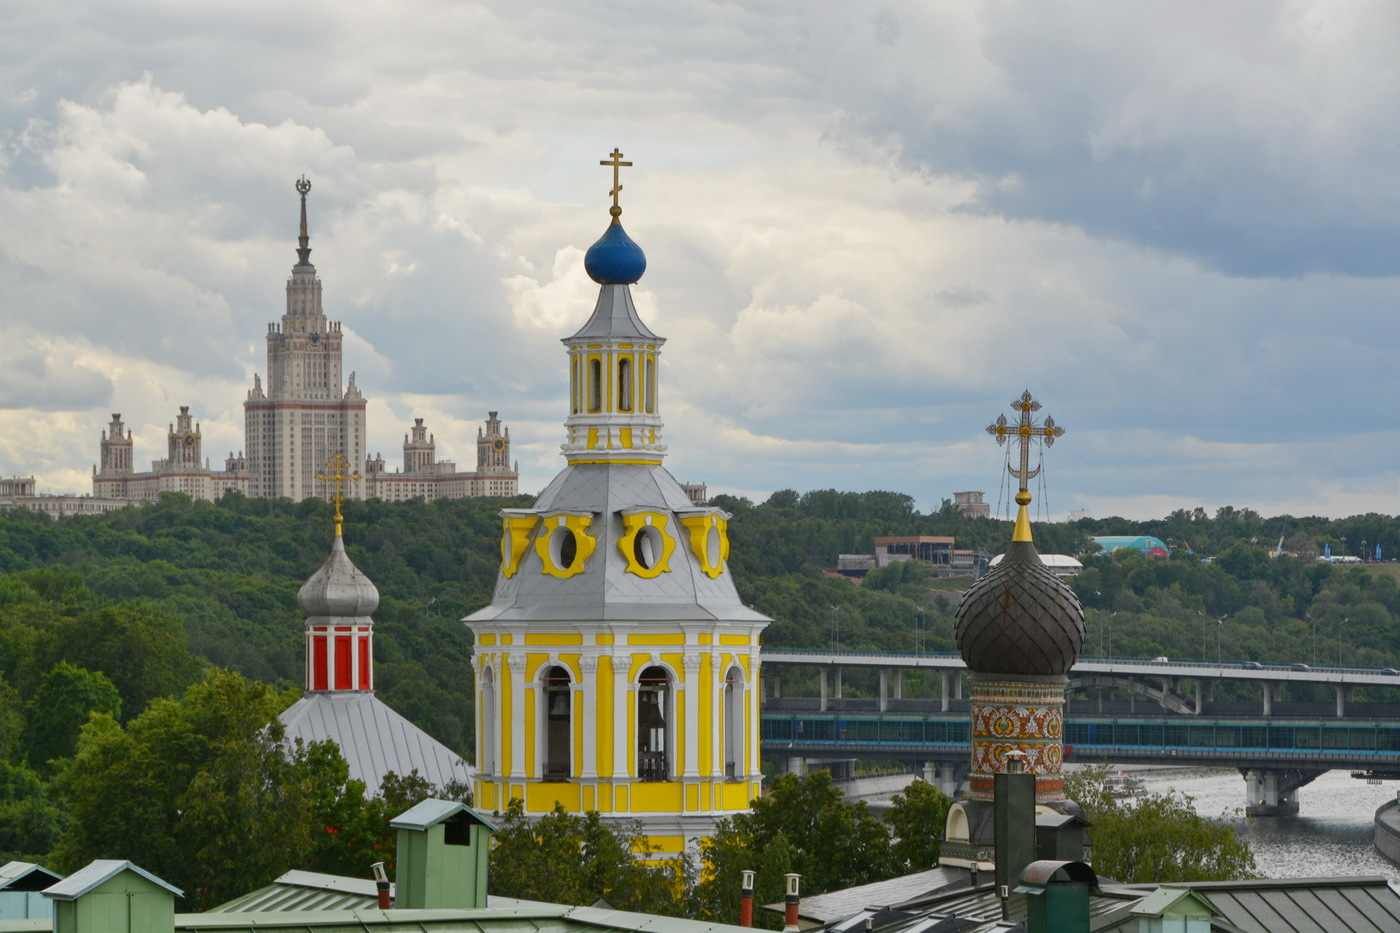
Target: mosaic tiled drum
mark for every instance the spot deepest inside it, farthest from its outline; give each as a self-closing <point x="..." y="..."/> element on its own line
<point x="1017" y="716"/>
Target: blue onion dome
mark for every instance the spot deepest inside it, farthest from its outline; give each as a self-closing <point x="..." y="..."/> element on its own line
<point x="1020" y="619"/>
<point x="615" y="259"/>
<point x="338" y="589"/>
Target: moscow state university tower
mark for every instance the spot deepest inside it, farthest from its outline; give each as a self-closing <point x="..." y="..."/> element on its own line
<point x="303" y="417"/>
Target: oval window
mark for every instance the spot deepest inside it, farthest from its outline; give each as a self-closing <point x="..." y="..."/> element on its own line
<point x="712" y="546"/>
<point x="563" y="547"/>
<point x="647" y="547"/>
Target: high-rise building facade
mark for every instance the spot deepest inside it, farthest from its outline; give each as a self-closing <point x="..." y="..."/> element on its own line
<point x="425" y="476"/>
<point x="183" y="468"/>
<point x="304" y="416"/>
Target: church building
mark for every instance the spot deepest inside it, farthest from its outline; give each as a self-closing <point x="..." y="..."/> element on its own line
<point x="617" y="668"/>
<point x="339" y="702"/>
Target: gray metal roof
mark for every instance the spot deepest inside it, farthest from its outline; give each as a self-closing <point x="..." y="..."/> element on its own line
<point x="373" y="738"/>
<point x="306" y="890"/>
<point x="430" y="812"/>
<point x="605" y="590"/>
<point x="1364" y="904"/>
<point x="315" y="891"/>
<point x="838" y="905"/>
<point x="95" y="873"/>
<point x="615" y="316"/>
<point x="527" y="918"/>
<point x="14" y="874"/>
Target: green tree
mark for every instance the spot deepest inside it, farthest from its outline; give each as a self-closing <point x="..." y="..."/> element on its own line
<point x="802" y="825"/>
<point x="67" y="696"/>
<point x="916" y="817"/>
<point x="1156" y="838"/>
<point x="567" y="858"/>
<point x="206" y="794"/>
<point x="30" y="820"/>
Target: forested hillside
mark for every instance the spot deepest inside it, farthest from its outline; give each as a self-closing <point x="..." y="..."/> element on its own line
<point x="119" y="625"/>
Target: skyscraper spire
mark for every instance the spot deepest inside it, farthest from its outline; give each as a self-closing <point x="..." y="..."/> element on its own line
<point x="304" y="241"/>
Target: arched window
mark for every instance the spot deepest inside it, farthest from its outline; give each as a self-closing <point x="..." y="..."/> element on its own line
<point x="557" y="712"/>
<point x="649" y="385"/>
<point x="653" y="725"/>
<point x="735" y="734"/>
<point x="595" y="385"/>
<point x="575" y="390"/>
<point x="486" y="755"/>
<point x="624" y="384"/>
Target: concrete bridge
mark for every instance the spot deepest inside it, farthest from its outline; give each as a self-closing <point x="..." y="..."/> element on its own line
<point x="1277" y="744"/>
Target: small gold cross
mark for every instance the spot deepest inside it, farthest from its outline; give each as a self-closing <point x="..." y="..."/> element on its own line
<point x="335" y="472"/>
<point x="616" y="163"/>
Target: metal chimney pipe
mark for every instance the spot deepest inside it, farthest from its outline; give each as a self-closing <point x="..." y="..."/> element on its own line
<point x="381" y="883"/>
<point x="791" y="902"/>
<point x="746" y="899"/>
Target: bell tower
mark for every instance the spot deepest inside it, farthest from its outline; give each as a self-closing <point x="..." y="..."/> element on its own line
<point x="617" y="668"/>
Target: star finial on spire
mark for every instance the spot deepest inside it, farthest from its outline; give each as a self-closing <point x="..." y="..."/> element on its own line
<point x="615" y="160"/>
<point x="1025" y="431"/>
<point x="335" y="472"/>
<point x="303" y="241"/>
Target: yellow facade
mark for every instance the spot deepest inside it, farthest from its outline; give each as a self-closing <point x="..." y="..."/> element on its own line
<point x="713" y="768"/>
<point x="617" y="668"/>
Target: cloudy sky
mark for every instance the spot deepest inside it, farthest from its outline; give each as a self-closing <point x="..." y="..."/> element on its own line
<point x="869" y="226"/>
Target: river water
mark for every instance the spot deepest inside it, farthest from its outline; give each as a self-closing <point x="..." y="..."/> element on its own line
<point x="1331" y="835"/>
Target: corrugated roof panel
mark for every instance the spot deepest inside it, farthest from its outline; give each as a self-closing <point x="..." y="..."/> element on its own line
<point x="373" y="738"/>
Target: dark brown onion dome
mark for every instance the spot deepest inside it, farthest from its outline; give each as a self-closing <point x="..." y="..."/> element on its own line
<point x="1020" y="619"/>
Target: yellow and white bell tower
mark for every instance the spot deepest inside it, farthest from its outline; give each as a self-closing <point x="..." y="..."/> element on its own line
<point x="617" y="669"/>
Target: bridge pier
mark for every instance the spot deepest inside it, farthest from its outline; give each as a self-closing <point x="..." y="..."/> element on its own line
<point x="884" y="689"/>
<point x="1344" y="694"/>
<point x="1274" y="791"/>
<point x="1268" y="698"/>
<point x="899" y="683"/>
<point x="947" y="776"/>
<point x="943" y="686"/>
<point x="797" y="765"/>
<point x="777" y="680"/>
<point x="822" y="678"/>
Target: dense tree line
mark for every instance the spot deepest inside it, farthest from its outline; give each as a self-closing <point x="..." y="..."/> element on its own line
<point x="118" y="630"/>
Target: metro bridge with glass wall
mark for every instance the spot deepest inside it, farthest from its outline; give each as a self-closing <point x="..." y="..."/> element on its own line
<point x="1170" y="717"/>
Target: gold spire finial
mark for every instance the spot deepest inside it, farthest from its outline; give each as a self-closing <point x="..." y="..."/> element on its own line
<point x="335" y="473"/>
<point x="1025" y="431"/>
<point x="616" y="162"/>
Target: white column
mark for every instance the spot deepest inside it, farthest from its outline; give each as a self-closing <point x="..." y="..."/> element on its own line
<point x="691" y="693"/>
<point x="588" y="664"/>
<point x="624" y="701"/>
<point x="719" y="671"/>
<point x="515" y="665"/>
<point x="753" y="723"/>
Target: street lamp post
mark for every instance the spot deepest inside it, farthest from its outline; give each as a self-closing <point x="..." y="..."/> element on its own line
<point x="1219" y="628"/>
<point x="835" y="628"/>
<point x="1339" y="639"/>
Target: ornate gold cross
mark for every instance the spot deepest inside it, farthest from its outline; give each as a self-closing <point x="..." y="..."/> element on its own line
<point x="335" y="472"/>
<point x="1025" y="432"/>
<point x="616" y="163"/>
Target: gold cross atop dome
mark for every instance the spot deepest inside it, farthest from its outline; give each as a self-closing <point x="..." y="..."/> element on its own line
<point x="335" y="472"/>
<point x="1024" y="431"/>
<point x="616" y="162"/>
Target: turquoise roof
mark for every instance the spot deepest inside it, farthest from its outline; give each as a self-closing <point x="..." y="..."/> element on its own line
<point x="1145" y="543"/>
